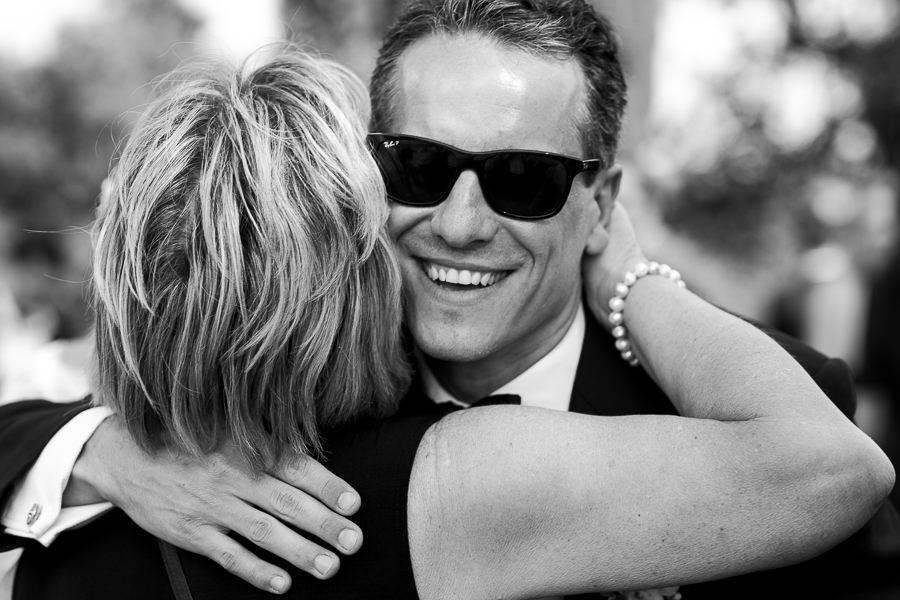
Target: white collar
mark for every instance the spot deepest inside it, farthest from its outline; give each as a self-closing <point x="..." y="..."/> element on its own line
<point x="546" y="384"/>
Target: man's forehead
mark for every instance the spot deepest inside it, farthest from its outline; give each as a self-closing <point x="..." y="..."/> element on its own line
<point x="457" y="64"/>
<point x="471" y="87"/>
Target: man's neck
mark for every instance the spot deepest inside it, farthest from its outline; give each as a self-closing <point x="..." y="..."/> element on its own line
<point x="468" y="382"/>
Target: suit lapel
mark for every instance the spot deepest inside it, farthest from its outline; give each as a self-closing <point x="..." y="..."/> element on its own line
<point x="606" y="385"/>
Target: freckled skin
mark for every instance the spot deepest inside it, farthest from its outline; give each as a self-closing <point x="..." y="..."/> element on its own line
<point x="473" y="94"/>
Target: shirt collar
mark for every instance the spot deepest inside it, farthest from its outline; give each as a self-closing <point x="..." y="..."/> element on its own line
<point x="545" y="384"/>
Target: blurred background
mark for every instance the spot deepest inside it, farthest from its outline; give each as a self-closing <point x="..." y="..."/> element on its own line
<point x="761" y="152"/>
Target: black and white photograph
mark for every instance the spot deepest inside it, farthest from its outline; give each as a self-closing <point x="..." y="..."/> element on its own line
<point x="449" y="299"/>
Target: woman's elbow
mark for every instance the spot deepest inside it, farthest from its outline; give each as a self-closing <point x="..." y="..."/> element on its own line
<point x="875" y="475"/>
<point x="860" y="476"/>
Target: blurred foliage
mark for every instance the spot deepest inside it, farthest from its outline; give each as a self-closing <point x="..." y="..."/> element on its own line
<point x="59" y="124"/>
<point x="797" y="145"/>
<point x="348" y="30"/>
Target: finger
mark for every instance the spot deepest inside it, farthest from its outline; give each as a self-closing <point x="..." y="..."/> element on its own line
<point x="307" y="474"/>
<point x="308" y="514"/>
<point x="271" y="534"/>
<point x="236" y="559"/>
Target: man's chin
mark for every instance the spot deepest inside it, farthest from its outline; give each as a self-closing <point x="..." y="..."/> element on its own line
<point x="457" y="348"/>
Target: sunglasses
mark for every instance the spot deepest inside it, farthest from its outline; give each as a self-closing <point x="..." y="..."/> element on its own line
<point x="521" y="184"/>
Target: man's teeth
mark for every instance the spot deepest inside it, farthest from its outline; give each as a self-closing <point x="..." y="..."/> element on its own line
<point x="464" y="276"/>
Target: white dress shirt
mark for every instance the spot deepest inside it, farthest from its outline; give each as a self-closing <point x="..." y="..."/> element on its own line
<point x="35" y="508"/>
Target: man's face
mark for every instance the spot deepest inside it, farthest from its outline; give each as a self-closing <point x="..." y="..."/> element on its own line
<point x="516" y="284"/>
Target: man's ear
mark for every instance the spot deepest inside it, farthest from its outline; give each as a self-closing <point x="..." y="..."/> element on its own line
<point x="605" y="190"/>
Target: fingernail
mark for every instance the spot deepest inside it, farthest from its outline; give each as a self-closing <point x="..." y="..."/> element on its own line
<point x="348" y="539"/>
<point x="347" y="501"/>
<point x="324" y="564"/>
<point x="278" y="584"/>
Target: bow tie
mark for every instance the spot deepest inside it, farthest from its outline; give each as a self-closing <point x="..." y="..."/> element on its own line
<point x="498" y="399"/>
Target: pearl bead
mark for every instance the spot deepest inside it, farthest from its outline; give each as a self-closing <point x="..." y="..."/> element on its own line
<point x="617" y="303"/>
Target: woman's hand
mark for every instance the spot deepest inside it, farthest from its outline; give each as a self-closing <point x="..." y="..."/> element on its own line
<point x="194" y="503"/>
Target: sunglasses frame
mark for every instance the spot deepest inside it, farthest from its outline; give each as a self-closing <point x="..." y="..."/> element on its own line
<point x="476" y="160"/>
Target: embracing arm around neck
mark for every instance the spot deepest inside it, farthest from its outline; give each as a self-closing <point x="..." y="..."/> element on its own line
<point x="760" y="471"/>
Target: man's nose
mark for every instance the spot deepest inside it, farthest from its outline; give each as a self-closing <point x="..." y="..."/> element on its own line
<point x="464" y="218"/>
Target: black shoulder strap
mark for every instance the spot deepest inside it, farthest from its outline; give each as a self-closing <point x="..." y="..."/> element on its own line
<point x="174" y="570"/>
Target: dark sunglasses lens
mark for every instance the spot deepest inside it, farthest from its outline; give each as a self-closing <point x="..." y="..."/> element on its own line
<point x="415" y="172"/>
<point x="529" y="186"/>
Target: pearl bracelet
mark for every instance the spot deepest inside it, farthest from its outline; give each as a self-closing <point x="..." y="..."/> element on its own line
<point x="617" y="303"/>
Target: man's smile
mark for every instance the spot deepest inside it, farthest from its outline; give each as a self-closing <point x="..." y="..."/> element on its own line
<point x="463" y="277"/>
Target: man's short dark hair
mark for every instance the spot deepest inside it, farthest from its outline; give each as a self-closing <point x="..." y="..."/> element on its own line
<point x="562" y="29"/>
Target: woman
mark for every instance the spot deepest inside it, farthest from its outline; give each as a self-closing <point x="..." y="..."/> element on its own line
<point x="247" y="299"/>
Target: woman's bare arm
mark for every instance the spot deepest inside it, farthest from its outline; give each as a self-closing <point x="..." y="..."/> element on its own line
<point x="762" y="471"/>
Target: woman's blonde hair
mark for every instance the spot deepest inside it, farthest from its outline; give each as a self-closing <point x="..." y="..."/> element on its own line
<point x="243" y="282"/>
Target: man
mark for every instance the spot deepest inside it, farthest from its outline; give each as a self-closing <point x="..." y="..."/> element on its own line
<point x="491" y="264"/>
